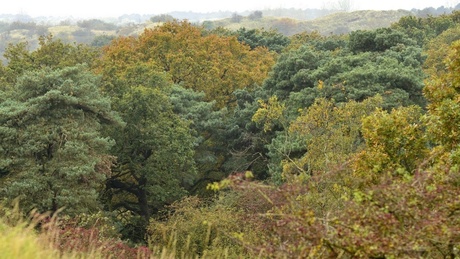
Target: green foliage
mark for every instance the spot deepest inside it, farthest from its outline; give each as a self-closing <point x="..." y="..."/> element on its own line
<point x="162" y="18"/>
<point x="362" y="41"/>
<point x="437" y="50"/>
<point x="53" y="152"/>
<point x="394" y="73"/>
<point x="378" y="40"/>
<point x="395" y="142"/>
<point x="53" y="53"/>
<point x="95" y="24"/>
<point x="206" y="126"/>
<point x="346" y="179"/>
<point x="155" y="151"/>
<point x="205" y="69"/>
<point x="102" y="40"/>
<point x="215" y="65"/>
<point x="283" y="151"/>
<point x="245" y="138"/>
<point x="272" y="40"/>
<point x="322" y="67"/>
<point x="424" y="29"/>
<point x="269" y="113"/>
<point x="292" y="71"/>
<point x="332" y="134"/>
<point x="195" y="228"/>
<point x="442" y="92"/>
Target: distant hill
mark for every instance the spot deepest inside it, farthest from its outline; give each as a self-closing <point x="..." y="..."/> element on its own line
<point x="340" y="23"/>
<point x="335" y="23"/>
<point x="99" y="31"/>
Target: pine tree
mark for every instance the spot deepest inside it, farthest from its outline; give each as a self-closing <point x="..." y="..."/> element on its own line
<point x="52" y="153"/>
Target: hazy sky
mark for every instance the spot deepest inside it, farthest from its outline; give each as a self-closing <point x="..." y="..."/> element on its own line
<point x="102" y="8"/>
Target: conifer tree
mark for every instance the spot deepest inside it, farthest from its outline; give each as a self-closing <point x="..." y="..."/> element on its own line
<point x="52" y="153"/>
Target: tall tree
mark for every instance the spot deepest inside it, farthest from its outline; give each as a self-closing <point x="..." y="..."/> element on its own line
<point x="51" y="53"/>
<point x="442" y="92"/>
<point x="155" y="150"/>
<point x="52" y="153"/>
<point x="215" y="65"/>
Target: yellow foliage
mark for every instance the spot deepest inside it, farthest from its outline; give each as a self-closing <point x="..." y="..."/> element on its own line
<point x="269" y="113"/>
<point x="443" y="110"/>
<point x="332" y="134"/>
<point x="395" y="142"/>
<point x="215" y="65"/>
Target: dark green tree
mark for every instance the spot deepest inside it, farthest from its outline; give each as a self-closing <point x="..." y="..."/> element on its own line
<point x="378" y="40"/>
<point x="155" y="151"/>
<point x="207" y="126"/>
<point x="52" y="153"/>
<point x="102" y="40"/>
<point x="325" y="67"/>
<point x="272" y="39"/>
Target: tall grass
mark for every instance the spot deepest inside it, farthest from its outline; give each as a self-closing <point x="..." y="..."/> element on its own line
<point x="19" y="238"/>
<point x="41" y="236"/>
<point x="20" y="241"/>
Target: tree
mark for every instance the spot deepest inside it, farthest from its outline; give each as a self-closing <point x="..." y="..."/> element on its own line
<point x="162" y="18"/>
<point x="395" y="142"/>
<point x="292" y="72"/>
<point x="155" y="150"/>
<point x="245" y="138"/>
<point x="53" y="153"/>
<point x="95" y="24"/>
<point x="437" y="50"/>
<point x="378" y="40"/>
<point x="324" y="67"/>
<point x="256" y="15"/>
<point x="215" y="65"/>
<point x="102" y="40"/>
<point x="51" y="52"/>
<point x="207" y="127"/>
<point x="362" y="41"/>
<point x="442" y="93"/>
<point x="236" y="18"/>
<point x="394" y="73"/>
<point x="332" y="134"/>
<point x="272" y="40"/>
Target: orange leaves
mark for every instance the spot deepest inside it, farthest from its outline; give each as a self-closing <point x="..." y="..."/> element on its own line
<point x="212" y="64"/>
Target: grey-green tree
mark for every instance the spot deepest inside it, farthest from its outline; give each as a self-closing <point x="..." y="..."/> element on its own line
<point x="52" y="153"/>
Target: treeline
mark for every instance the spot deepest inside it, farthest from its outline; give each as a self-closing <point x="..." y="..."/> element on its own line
<point x="242" y="143"/>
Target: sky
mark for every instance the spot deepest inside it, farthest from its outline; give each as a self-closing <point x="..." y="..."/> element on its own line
<point x="113" y="8"/>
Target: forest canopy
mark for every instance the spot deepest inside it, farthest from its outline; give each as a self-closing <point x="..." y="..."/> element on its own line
<point x="245" y="143"/>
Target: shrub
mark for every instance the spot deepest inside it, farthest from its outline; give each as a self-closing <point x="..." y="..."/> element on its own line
<point x="196" y="227"/>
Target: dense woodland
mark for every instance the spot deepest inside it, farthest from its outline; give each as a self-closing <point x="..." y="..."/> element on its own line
<point x="337" y="19"/>
<point x="185" y="141"/>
